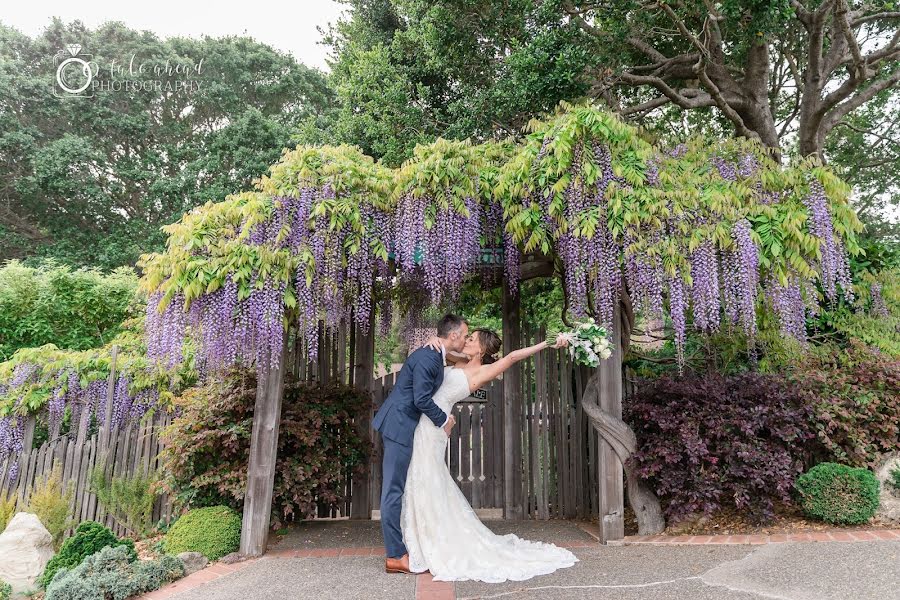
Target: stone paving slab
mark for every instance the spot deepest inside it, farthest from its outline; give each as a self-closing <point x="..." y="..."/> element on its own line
<point x="816" y="571"/>
<point x="353" y="578"/>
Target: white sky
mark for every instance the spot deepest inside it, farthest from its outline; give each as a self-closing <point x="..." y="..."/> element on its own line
<point x="286" y="26"/>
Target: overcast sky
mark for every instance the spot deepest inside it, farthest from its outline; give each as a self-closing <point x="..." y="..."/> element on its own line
<point x="286" y="26"/>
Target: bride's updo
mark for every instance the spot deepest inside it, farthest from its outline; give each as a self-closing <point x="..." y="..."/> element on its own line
<point x="490" y="345"/>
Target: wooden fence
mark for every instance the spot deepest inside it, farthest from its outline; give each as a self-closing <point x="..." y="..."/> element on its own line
<point x="558" y="460"/>
<point x="130" y="450"/>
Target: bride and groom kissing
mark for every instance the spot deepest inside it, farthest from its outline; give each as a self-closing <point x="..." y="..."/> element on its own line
<point x="427" y="523"/>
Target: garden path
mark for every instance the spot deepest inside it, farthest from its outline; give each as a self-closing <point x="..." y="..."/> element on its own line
<point x="343" y="560"/>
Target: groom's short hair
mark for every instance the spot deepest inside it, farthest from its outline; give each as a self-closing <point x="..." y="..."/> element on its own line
<point x="448" y="324"/>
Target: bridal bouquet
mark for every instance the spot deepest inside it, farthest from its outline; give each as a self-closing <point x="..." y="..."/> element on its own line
<point x="588" y="343"/>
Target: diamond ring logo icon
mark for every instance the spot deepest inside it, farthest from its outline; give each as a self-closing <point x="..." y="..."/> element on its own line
<point x="74" y="74"/>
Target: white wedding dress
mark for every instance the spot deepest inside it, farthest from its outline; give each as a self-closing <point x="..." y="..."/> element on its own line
<point x="442" y="532"/>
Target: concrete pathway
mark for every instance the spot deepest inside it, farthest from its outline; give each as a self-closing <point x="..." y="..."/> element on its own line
<point x="343" y="560"/>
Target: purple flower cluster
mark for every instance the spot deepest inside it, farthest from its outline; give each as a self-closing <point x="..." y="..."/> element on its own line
<point x="834" y="269"/>
<point x="448" y="249"/>
<point x="705" y="286"/>
<point x="878" y="307"/>
<point x="165" y="329"/>
<point x="740" y="271"/>
<point x="787" y="302"/>
<point x="678" y="311"/>
<point x="12" y="433"/>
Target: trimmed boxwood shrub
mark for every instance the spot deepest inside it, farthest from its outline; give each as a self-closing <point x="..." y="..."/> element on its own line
<point x="318" y="446"/>
<point x="5" y="590"/>
<point x="112" y="574"/>
<point x="213" y="531"/>
<point x="706" y="441"/>
<point x="90" y="537"/>
<point x="838" y="494"/>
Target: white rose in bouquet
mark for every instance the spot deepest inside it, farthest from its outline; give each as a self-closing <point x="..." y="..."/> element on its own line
<point x="605" y="353"/>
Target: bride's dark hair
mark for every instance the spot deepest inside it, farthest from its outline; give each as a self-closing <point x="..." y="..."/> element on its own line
<point x="490" y="345"/>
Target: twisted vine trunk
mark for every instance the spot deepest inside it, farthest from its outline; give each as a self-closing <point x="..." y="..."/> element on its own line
<point x="602" y="403"/>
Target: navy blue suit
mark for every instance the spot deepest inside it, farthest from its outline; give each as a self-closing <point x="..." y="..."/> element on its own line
<point x="422" y="374"/>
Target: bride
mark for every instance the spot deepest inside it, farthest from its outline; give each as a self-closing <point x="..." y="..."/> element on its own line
<point x="440" y="529"/>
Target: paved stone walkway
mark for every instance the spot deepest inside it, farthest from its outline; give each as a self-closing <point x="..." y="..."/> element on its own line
<point x="343" y="559"/>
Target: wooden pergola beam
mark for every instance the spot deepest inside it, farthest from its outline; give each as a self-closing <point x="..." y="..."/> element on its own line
<point x="513" y="501"/>
<point x="263" y="454"/>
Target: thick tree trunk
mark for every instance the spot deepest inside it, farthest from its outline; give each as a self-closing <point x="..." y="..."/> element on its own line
<point x="621" y="438"/>
<point x="602" y="403"/>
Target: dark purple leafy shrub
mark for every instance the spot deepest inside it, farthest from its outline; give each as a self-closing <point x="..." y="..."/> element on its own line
<point x="709" y="441"/>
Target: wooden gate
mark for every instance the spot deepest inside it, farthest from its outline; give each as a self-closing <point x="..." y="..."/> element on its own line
<point x="558" y="461"/>
<point x="475" y="452"/>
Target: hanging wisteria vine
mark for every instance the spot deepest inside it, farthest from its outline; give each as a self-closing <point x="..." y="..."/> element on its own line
<point x="707" y="233"/>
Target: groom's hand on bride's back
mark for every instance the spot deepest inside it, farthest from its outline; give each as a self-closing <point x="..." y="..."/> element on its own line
<point x="448" y="426"/>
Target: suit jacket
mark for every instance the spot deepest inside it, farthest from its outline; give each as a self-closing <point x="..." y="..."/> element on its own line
<point x="420" y="377"/>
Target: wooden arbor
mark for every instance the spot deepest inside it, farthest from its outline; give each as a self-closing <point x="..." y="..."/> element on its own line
<point x="602" y="402"/>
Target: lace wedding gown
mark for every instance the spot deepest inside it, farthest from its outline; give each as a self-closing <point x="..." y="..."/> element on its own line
<point x="440" y="529"/>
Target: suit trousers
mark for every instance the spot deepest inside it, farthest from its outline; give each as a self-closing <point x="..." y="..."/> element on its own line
<point x="394" y="467"/>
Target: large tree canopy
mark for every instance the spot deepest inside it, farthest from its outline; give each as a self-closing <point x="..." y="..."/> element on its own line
<point x="713" y="230"/>
<point x="91" y="180"/>
<point x="802" y="77"/>
<point x="775" y="71"/>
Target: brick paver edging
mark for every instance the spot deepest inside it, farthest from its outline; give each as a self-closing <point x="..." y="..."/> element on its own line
<point x="856" y="535"/>
<point x="428" y="589"/>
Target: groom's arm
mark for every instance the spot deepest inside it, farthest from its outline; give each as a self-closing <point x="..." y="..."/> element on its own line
<point x="424" y="375"/>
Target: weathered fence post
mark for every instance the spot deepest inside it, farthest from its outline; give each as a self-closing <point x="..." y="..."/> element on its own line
<point x="512" y="410"/>
<point x="106" y="426"/>
<point x="263" y="453"/>
<point x="612" y="491"/>
<point x="364" y="380"/>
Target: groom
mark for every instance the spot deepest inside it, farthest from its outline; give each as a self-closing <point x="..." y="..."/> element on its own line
<point x="420" y="377"/>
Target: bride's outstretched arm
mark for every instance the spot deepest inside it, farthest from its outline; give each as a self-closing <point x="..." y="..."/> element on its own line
<point x="493" y="370"/>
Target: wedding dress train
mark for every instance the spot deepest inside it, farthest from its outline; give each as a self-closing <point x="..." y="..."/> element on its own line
<point x="441" y="531"/>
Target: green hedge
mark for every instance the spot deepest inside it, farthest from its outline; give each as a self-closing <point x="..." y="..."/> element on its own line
<point x="89" y="538"/>
<point x="213" y="531"/>
<point x="838" y="494"/>
<point x="5" y="590"/>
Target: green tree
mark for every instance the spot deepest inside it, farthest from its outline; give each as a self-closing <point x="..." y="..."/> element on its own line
<point x="91" y="180"/>
<point x="53" y="304"/>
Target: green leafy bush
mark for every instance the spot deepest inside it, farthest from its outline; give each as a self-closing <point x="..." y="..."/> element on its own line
<point x="318" y="446"/>
<point x="112" y="574"/>
<point x="129" y="498"/>
<point x="52" y="304"/>
<point x="89" y="538"/>
<point x="213" y="531"/>
<point x="50" y="501"/>
<point x="838" y="494"/>
<point x="7" y="509"/>
<point x="855" y="393"/>
<point x="5" y="590"/>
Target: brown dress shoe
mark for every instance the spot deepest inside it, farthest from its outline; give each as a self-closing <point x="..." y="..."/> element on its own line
<point x="397" y="565"/>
